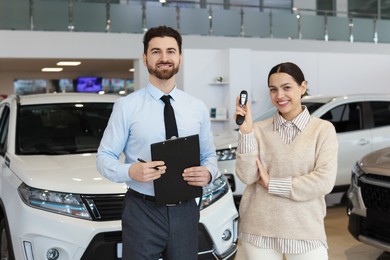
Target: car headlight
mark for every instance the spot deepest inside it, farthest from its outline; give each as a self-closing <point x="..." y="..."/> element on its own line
<point x="226" y="154"/>
<point x="61" y="203"/>
<point x="214" y="191"/>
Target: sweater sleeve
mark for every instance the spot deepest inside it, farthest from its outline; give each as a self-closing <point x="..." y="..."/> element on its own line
<point x="246" y="167"/>
<point x="320" y="181"/>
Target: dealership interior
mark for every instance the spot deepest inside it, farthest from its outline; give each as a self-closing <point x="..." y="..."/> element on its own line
<point x="39" y="65"/>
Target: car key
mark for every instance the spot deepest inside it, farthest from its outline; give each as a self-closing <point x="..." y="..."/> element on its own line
<point x="243" y="99"/>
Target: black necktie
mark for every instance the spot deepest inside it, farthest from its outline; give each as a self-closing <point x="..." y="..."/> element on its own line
<point x="169" y="118"/>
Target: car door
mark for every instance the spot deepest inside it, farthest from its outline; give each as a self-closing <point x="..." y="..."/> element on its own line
<point x="379" y="112"/>
<point x="353" y="137"/>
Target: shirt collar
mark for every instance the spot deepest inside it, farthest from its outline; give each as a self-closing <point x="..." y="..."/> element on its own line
<point x="157" y="93"/>
<point x="300" y="121"/>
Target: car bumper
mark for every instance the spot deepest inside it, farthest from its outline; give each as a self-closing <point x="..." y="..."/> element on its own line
<point x="220" y="222"/>
<point x="369" y="226"/>
<point x="36" y="233"/>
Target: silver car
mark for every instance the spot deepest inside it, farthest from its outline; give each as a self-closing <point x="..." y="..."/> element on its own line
<point x="368" y="204"/>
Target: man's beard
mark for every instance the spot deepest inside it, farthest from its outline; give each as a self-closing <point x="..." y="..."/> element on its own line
<point x="163" y="74"/>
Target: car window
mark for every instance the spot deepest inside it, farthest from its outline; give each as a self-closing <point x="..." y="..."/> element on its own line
<point x="312" y="106"/>
<point x="381" y="113"/>
<point x="4" y="111"/>
<point x="345" y="118"/>
<point x="61" y="128"/>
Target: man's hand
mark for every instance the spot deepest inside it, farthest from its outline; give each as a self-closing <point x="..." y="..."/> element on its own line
<point x="144" y="172"/>
<point x="197" y="176"/>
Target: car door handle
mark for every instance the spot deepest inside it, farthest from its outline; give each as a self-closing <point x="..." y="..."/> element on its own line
<point x="363" y="142"/>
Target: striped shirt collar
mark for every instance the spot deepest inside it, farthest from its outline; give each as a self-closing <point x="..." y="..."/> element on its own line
<point x="300" y="121"/>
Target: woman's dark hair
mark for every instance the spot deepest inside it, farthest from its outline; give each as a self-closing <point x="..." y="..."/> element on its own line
<point x="161" y="31"/>
<point x="291" y="69"/>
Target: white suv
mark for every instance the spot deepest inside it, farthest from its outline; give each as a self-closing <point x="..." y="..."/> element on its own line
<point x="54" y="203"/>
<point x="362" y="124"/>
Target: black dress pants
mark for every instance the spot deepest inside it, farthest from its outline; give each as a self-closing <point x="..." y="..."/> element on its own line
<point x="150" y="232"/>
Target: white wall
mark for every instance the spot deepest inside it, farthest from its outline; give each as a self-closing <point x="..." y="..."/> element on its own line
<point x="330" y="67"/>
<point x="326" y="73"/>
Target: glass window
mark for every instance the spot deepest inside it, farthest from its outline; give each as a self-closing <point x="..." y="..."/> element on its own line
<point x="346" y="117"/>
<point x="61" y="128"/>
<point x="325" y="7"/>
<point x="29" y="86"/>
<point x="363" y="8"/>
<point x="4" y="111"/>
<point x="381" y="113"/>
<point x="312" y="106"/>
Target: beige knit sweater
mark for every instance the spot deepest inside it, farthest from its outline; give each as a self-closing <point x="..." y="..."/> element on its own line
<point x="311" y="160"/>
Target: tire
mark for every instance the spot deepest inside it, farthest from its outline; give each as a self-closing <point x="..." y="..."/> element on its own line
<point x="6" y="252"/>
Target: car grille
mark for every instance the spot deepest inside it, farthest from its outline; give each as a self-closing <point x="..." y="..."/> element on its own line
<point x="104" y="245"/>
<point x="104" y="207"/>
<point x="376" y="192"/>
<point x="377" y="225"/>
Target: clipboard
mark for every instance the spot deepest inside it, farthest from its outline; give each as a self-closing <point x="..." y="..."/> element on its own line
<point x="178" y="154"/>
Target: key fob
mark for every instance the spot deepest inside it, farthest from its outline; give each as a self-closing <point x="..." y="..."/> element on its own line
<point x="243" y="99"/>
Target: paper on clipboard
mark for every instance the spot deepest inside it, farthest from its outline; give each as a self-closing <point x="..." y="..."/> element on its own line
<point x="178" y="154"/>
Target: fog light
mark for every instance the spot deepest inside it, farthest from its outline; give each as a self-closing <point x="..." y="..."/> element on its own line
<point x="28" y="250"/>
<point x="226" y="235"/>
<point x="52" y="254"/>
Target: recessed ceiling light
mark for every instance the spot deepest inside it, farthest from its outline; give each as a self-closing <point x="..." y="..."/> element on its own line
<point x="131" y="70"/>
<point x="52" y="69"/>
<point x="68" y="63"/>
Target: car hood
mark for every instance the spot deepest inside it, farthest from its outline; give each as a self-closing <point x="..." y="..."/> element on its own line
<point x="64" y="173"/>
<point x="225" y="140"/>
<point x="377" y="162"/>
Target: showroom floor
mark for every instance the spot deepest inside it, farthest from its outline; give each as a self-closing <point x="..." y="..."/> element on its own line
<point x="342" y="246"/>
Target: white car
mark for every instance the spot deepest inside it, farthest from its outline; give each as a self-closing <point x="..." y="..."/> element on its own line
<point x="362" y="124"/>
<point x="54" y="203"/>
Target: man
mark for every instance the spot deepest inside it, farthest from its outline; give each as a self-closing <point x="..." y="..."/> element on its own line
<point x="148" y="230"/>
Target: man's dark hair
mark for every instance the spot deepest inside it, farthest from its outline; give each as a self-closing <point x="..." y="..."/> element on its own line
<point x="161" y="31"/>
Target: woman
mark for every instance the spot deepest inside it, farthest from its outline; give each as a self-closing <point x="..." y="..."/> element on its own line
<point x="289" y="163"/>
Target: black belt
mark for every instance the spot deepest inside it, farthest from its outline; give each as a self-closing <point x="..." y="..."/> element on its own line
<point x="152" y="198"/>
<point x="142" y="196"/>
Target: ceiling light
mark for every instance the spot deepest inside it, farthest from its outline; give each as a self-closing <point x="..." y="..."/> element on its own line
<point x="52" y="69"/>
<point x="68" y="63"/>
<point x="131" y="70"/>
<point x="163" y="1"/>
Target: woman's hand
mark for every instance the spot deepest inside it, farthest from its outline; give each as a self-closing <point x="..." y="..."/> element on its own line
<point x="247" y="126"/>
<point x="263" y="175"/>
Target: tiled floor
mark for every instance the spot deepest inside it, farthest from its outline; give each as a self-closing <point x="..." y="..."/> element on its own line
<point x="342" y="246"/>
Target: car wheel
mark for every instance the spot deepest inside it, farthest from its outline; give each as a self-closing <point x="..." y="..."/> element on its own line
<point x="5" y="245"/>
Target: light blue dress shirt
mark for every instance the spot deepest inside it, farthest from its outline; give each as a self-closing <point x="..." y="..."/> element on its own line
<point x="137" y="121"/>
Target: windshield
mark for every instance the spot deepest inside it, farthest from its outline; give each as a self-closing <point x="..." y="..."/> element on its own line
<point x="311" y="107"/>
<point x="61" y="128"/>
